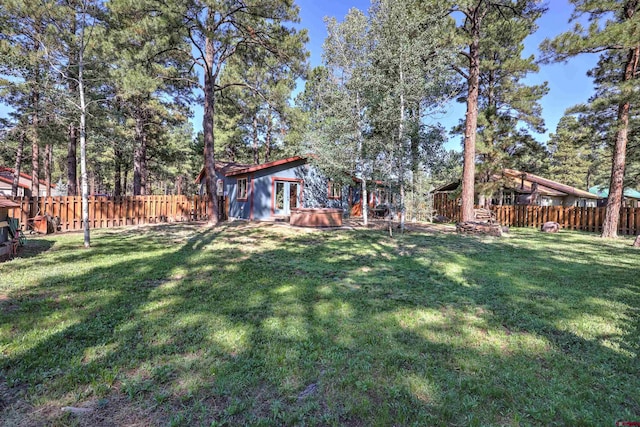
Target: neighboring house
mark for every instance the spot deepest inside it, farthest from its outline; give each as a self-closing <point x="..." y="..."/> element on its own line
<point x="631" y="197"/>
<point x="523" y="188"/>
<point x="24" y="184"/>
<point x="270" y="191"/>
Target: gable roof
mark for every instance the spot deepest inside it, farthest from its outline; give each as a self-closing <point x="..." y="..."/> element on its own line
<point x="222" y="167"/>
<point x="232" y="169"/>
<point x="524" y="182"/>
<point x="546" y="186"/>
<point x="6" y="203"/>
<point x="268" y="165"/>
<point x="6" y="175"/>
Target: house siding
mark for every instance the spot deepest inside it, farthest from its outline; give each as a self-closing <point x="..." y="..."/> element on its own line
<point x="260" y="201"/>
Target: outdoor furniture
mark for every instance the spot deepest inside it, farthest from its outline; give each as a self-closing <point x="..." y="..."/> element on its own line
<point x="16" y="235"/>
<point x="380" y="211"/>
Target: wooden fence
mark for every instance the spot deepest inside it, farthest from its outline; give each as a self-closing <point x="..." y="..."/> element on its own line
<point x="106" y="212"/>
<point x="571" y="218"/>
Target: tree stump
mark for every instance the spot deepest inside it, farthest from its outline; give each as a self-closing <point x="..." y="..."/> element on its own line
<point x="472" y="227"/>
<point x="440" y="219"/>
<point x="636" y="243"/>
<point x="550" y="227"/>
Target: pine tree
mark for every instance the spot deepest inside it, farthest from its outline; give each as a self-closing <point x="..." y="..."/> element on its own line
<point x="508" y="108"/>
<point x="482" y="19"/>
<point x="150" y="73"/>
<point x="572" y="154"/>
<point x="613" y="31"/>
<point x="217" y="30"/>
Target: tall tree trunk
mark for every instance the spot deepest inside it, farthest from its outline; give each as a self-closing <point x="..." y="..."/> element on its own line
<point x="125" y="176"/>
<point x="414" y="141"/>
<point x="471" y="122"/>
<point x="360" y="164"/>
<point x="92" y="182"/>
<point x="18" y="165"/>
<point x="616" y="186"/>
<point x="35" y="146"/>
<point x="178" y="188"/>
<point x="254" y="138"/>
<point x="207" y="127"/>
<point x="267" y="137"/>
<point x="72" y="161"/>
<point x="140" y="158"/>
<point x="401" y="146"/>
<point x="117" y="174"/>
<point x="48" y="160"/>
<point x="83" y="139"/>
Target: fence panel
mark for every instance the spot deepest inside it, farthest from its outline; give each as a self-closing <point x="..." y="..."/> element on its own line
<point x="571" y="218"/>
<point x="107" y="212"/>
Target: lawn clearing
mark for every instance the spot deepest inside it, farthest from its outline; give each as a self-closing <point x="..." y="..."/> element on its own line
<point x="268" y="325"/>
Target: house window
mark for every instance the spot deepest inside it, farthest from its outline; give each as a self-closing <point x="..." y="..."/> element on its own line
<point x="242" y="189"/>
<point x="335" y="191"/>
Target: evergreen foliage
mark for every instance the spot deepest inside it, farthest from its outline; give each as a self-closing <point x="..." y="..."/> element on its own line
<point x="613" y="31"/>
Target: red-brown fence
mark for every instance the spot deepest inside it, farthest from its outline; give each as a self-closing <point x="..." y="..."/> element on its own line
<point x="106" y="212"/>
<point x="572" y="218"/>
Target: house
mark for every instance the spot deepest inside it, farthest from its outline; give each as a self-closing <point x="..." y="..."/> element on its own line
<point x="631" y="197"/>
<point x="270" y="191"/>
<point x="24" y="184"/>
<point x="523" y="188"/>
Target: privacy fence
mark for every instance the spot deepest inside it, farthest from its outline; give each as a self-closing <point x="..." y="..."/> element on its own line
<point x="572" y="218"/>
<point x="106" y="212"/>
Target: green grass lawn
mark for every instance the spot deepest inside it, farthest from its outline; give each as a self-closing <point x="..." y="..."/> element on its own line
<point x="267" y="325"/>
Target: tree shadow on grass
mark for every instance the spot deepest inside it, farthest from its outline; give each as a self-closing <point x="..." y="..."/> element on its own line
<point x="259" y="327"/>
<point x="32" y="248"/>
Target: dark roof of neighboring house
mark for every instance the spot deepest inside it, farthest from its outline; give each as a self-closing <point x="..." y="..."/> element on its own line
<point x="232" y="169"/>
<point x="547" y="186"/>
<point x="3" y="178"/>
<point x="604" y="192"/>
<point x="6" y="175"/>
<point x="6" y="203"/>
<point x="524" y="182"/>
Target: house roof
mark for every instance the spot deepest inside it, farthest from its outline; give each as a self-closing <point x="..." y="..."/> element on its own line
<point x="21" y="184"/>
<point x="524" y="182"/>
<point x="232" y="169"/>
<point x="223" y="167"/>
<point x="268" y="165"/>
<point x="546" y="185"/>
<point x="6" y="203"/>
<point x="604" y="192"/>
<point x="6" y="175"/>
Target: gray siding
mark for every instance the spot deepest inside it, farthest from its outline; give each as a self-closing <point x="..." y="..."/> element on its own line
<point x="261" y="188"/>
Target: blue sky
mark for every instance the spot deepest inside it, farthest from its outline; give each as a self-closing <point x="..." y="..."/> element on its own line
<point x="568" y="83"/>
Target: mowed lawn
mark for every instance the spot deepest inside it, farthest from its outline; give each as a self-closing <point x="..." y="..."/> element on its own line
<point x="268" y="325"/>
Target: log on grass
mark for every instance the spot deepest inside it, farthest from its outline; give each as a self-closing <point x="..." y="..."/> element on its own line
<point x="473" y="227"/>
<point x="550" y="227"/>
